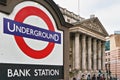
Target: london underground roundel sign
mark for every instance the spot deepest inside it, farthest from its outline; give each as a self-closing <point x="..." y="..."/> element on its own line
<point x="21" y="15"/>
<point x="46" y="31"/>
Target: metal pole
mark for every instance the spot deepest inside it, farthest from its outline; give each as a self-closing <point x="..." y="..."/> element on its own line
<point x="79" y="7"/>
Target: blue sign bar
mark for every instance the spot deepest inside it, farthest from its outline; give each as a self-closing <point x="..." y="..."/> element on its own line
<point x="29" y="31"/>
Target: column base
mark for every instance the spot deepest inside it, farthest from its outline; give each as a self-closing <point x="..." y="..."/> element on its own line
<point x="103" y="70"/>
<point x="92" y="72"/>
<point x="78" y="76"/>
<point x="84" y="72"/>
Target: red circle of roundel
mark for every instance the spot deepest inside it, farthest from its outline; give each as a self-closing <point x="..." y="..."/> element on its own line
<point x="20" y="17"/>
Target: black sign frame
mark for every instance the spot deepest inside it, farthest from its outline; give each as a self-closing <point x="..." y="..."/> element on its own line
<point x="30" y="72"/>
<point x="3" y="2"/>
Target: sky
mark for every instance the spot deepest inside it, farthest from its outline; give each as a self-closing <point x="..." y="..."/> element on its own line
<point x="108" y="11"/>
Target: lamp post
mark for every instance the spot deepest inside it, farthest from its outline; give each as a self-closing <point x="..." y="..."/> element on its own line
<point x="116" y="68"/>
<point x="106" y="70"/>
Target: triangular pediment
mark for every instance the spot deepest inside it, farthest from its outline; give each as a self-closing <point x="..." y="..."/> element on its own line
<point x="94" y="25"/>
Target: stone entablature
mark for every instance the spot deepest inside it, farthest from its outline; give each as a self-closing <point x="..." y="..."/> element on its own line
<point x="69" y="14"/>
<point x="87" y="32"/>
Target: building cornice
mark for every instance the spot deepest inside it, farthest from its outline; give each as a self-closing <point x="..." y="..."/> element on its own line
<point x="64" y="11"/>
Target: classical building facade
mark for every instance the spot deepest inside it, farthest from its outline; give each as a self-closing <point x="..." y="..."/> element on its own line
<point x="87" y="38"/>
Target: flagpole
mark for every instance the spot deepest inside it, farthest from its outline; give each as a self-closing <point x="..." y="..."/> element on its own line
<point x="79" y="7"/>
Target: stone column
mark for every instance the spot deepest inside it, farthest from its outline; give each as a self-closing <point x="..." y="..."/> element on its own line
<point x="89" y="54"/>
<point x="94" y="54"/>
<point x="99" y="55"/>
<point x="73" y="51"/>
<point x="77" y="52"/>
<point x="84" y="52"/>
<point x="103" y="56"/>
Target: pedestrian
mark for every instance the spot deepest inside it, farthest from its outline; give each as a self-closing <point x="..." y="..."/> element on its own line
<point x="103" y="77"/>
<point x="83" y="77"/>
<point x="74" y="78"/>
<point x="88" y="77"/>
<point x="111" y="78"/>
<point x="94" y="77"/>
<point x="98" y="77"/>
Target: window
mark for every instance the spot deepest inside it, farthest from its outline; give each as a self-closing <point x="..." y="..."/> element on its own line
<point x="109" y="59"/>
<point x="106" y="54"/>
<point x="107" y="45"/>
<point x="106" y="60"/>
